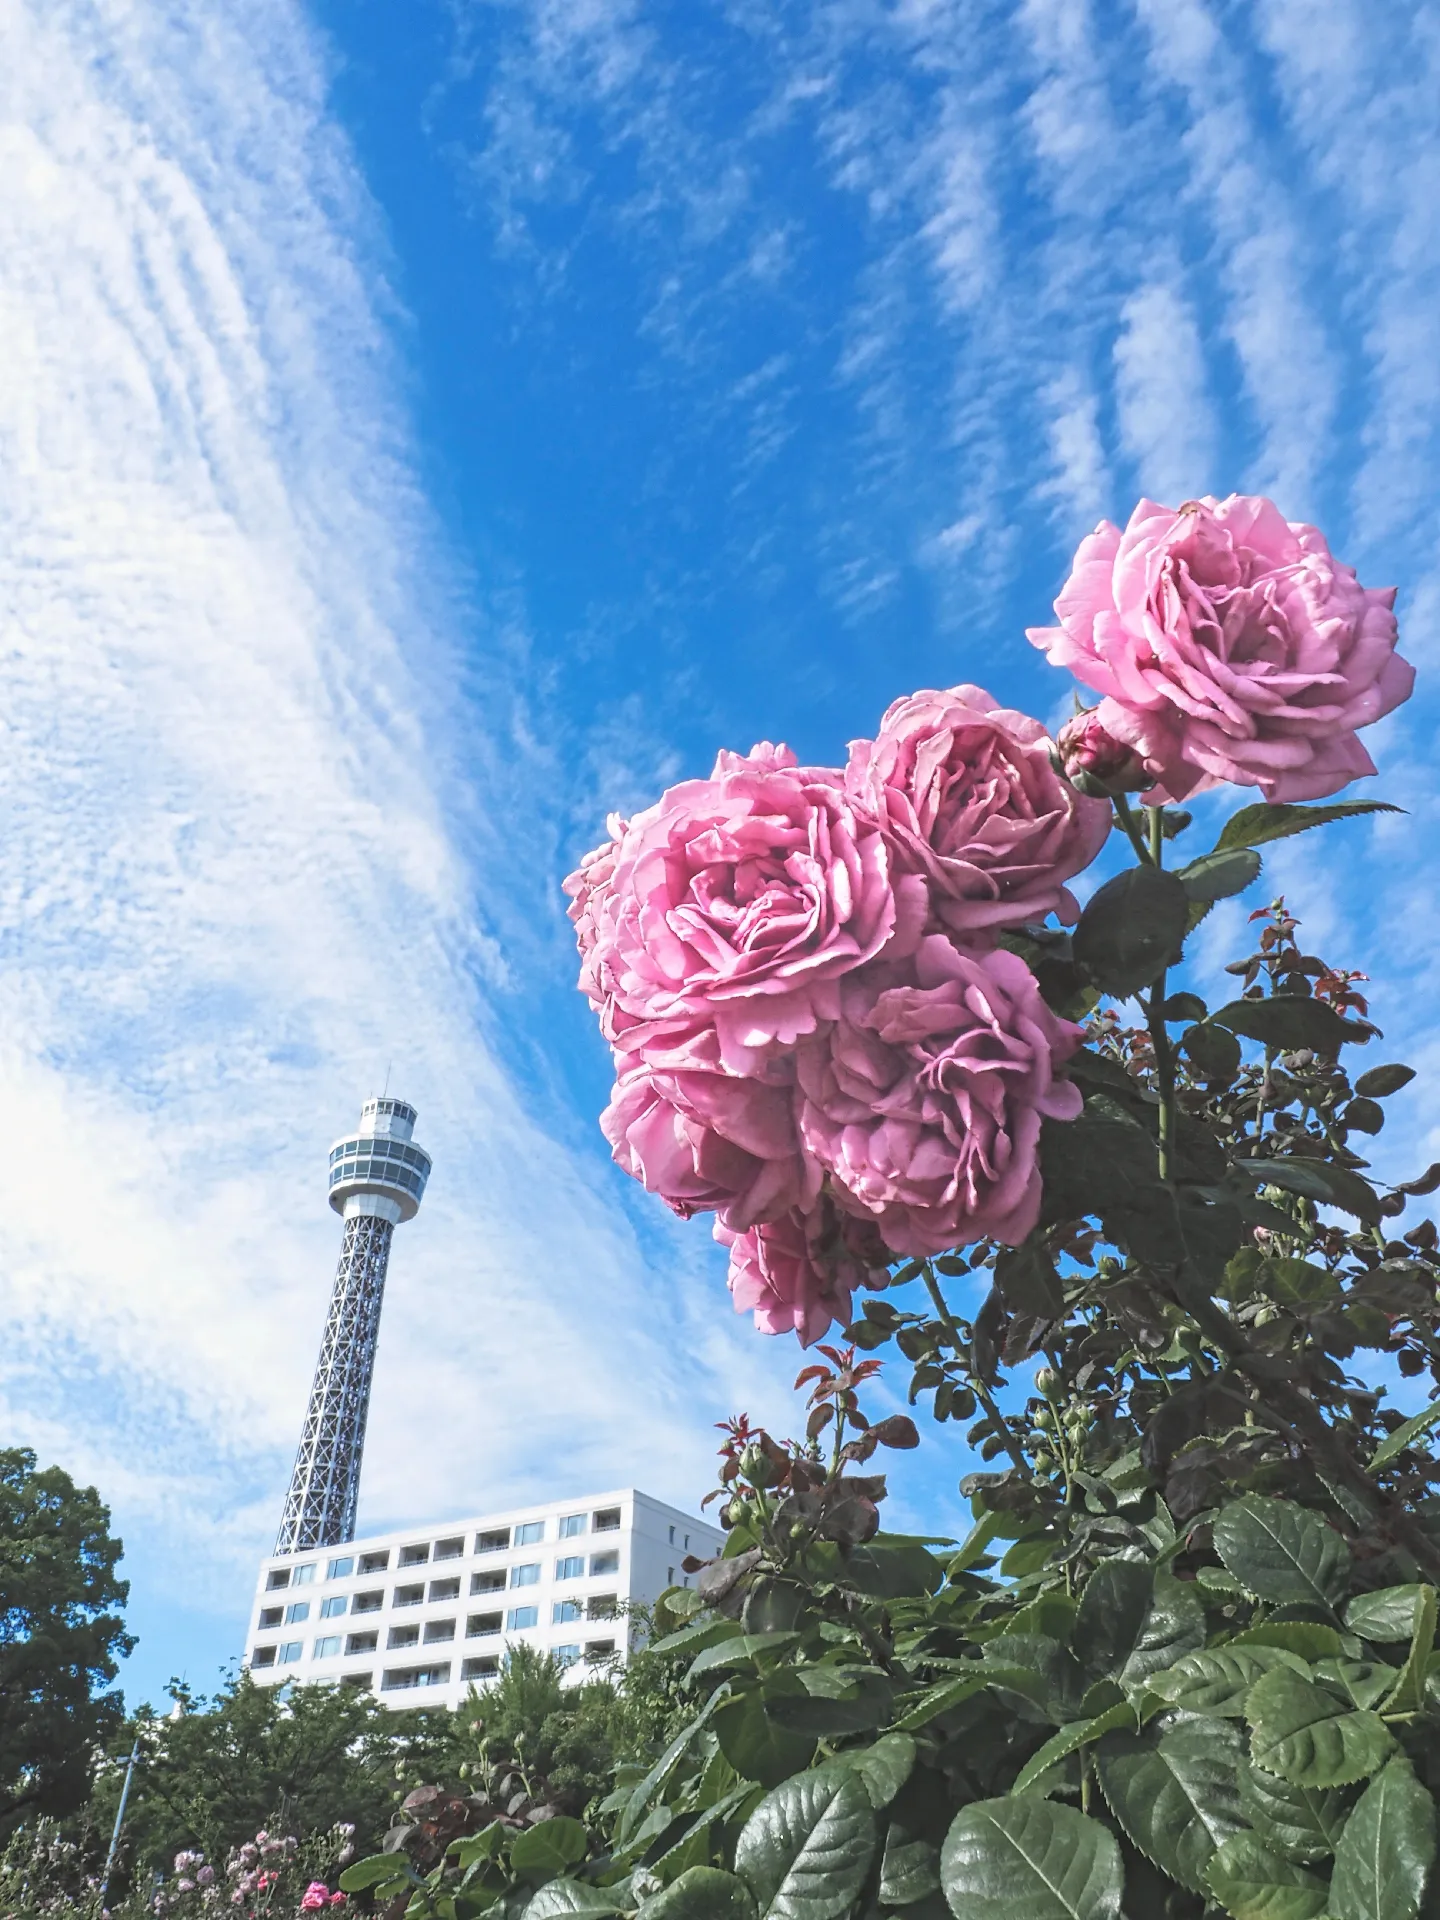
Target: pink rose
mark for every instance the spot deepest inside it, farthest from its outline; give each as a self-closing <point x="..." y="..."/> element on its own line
<point x="924" y="1101"/>
<point x="738" y="903"/>
<point x="796" y="1274"/>
<point x="704" y="1139"/>
<point x="970" y="798"/>
<point x="1229" y="644"/>
<point x="315" y="1896"/>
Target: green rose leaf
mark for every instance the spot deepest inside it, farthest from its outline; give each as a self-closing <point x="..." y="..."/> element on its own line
<point x="1377" y="1082"/>
<point x="1216" y="876"/>
<point x="1281" y="1552"/>
<point x="1303" y="1823"/>
<point x="1386" y="1615"/>
<point x="697" y="1636"/>
<point x="805" y="1851"/>
<point x="1176" y="1797"/>
<point x="755" y="1745"/>
<point x="1309" y="1736"/>
<point x="1025" y="1858"/>
<point x="884" y="1768"/>
<point x="1132" y="929"/>
<point x="701" y="1893"/>
<point x="559" y="1898"/>
<point x="1409" y="1693"/>
<point x="909" y="1868"/>
<point x="376" y="1870"/>
<point x="1386" y="1850"/>
<point x="1112" y="1615"/>
<point x="1407" y="1431"/>
<point x="550" y="1847"/>
<point x="1216" y="1681"/>
<point x="1318" y="1180"/>
<point x="1254" y="826"/>
<point x="1307" y="1639"/>
<point x="1080" y="1733"/>
<point x="1288" y="1022"/>
<point x="1251" y="1883"/>
<point x="1174" y="1626"/>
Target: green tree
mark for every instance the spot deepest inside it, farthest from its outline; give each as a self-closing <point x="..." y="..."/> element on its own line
<point x="60" y="1634"/>
<point x="298" y="1759"/>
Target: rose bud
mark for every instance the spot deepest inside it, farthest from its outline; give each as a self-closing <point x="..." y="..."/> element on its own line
<point x="1096" y="762"/>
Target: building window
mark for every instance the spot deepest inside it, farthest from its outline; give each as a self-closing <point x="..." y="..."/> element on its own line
<point x="439" y="1630"/>
<point x="604" y="1563"/>
<point x="375" y="1562"/>
<point x="488" y="1582"/>
<point x="403" y="1637"/>
<point x="445" y="1589"/>
<point x="263" y="1657"/>
<point x="362" y="1643"/>
<point x="484" y="1667"/>
<point x="607" y="1520"/>
<point x="571" y="1525"/>
<point x="567" y="1656"/>
<point x="328" y="1647"/>
<point x="495" y="1541"/>
<point x="341" y="1569"/>
<point x="520" y="1617"/>
<point x="526" y="1576"/>
<point x="599" y="1650"/>
<point x="304" y="1575"/>
<point x="332" y="1608"/>
<point x="291" y="1650"/>
<point x="687" y="1543"/>
<point x="600" y="1606"/>
<point x="564" y="1611"/>
<point x="356" y="1679"/>
<point x="271" y="1616"/>
<point x="297" y="1611"/>
<point x="367" y="1602"/>
<point x="276" y="1578"/>
<point x="414" y="1556"/>
<point x="669" y="1576"/>
<point x="481" y="1623"/>
<point x="571" y="1569"/>
<point x="408" y="1596"/>
<point x="672" y="1536"/>
<point x="395" y="1678"/>
<point x="529" y="1532"/>
<point x="449" y="1549"/>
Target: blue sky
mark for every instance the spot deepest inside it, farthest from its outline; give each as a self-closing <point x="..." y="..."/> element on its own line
<point x="423" y="429"/>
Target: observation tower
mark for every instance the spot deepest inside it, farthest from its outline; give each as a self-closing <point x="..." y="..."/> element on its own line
<point x="377" y="1180"/>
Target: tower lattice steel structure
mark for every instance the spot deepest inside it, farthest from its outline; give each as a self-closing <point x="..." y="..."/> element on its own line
<point x="377" y="1180"/>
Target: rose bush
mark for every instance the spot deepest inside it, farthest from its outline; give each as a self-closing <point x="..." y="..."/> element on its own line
<point x="1230" y="645"/>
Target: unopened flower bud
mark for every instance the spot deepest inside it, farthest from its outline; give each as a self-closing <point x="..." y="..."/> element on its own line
<point x="1046" y="1382"/>
<point x="1095" y="762"/>
<point x="757" y="1466"/>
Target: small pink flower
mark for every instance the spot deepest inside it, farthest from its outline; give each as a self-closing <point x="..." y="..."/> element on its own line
<point x="970" y="800"/>
<point x="1229" y="645"/>
<point x="315" y="1896"/>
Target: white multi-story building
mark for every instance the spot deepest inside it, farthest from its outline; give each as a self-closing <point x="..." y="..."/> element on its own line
<point x="433" y="1609"/>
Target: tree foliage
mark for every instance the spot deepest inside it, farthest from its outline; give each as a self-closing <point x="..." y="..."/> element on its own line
<point x="60" y="1635"/>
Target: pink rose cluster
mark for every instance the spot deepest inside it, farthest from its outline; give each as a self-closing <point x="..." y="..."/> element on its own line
<point x="1229" y="645"/>
<point x="816" y="1036"/>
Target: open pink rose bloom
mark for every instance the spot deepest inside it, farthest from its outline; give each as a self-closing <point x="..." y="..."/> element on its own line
<point x="1230" y="644"/>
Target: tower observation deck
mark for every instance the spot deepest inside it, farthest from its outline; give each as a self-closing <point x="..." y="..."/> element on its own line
<point x="377" y="1180"/>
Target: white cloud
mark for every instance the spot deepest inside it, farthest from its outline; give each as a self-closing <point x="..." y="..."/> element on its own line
<point x="1166" y="423"/>
<point x="231" y="882"/>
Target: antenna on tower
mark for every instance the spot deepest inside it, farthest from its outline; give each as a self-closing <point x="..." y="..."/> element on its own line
<point x="377" y="1181"/>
